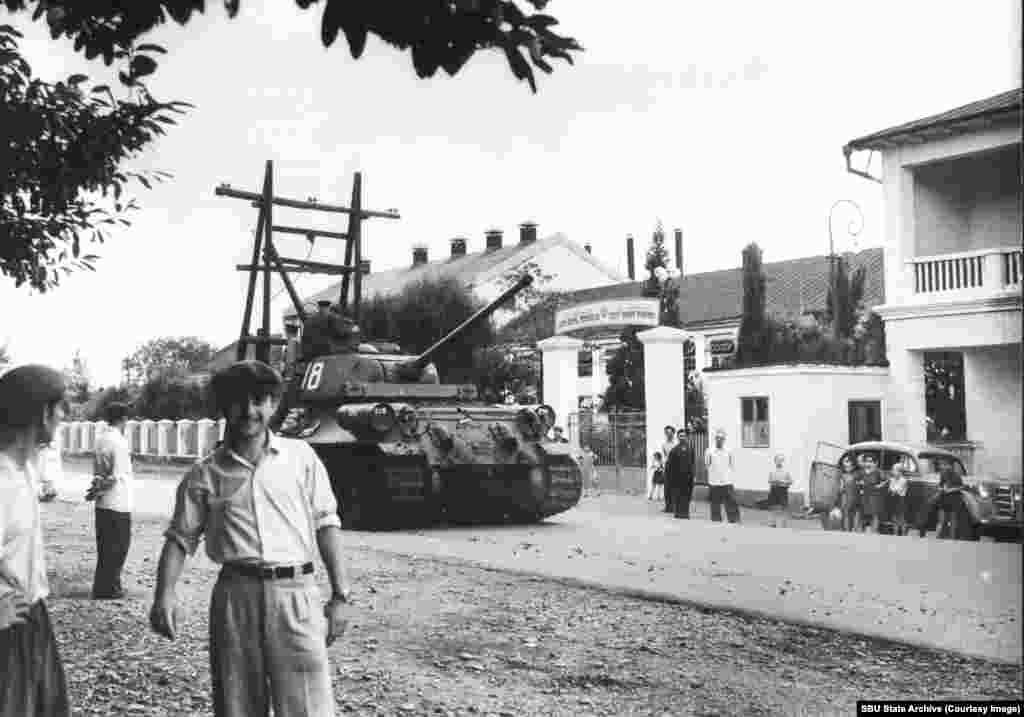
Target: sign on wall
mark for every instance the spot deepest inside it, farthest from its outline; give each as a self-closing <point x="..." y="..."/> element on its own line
<point x="722" y="346"/>
<point x="612" y="312"/>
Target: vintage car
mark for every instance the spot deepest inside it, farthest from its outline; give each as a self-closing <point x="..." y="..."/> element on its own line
<point x="999" y="501"/>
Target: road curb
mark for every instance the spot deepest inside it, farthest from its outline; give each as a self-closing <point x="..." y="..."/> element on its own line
<point x="702" y="604"/>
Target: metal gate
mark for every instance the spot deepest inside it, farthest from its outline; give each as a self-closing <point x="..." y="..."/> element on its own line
<point x="617" y="444"/>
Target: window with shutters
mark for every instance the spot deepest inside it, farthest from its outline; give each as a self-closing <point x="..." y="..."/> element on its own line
<point x="754" y="417"/>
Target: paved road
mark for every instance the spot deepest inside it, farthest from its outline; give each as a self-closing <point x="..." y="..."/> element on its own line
<point x="956" y="596"/>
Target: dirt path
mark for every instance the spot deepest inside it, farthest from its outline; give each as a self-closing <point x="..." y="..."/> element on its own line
<point x="440" y="638"/>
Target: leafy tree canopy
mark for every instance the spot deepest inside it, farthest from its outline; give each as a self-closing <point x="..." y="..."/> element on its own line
<point x="657" y="253"/>
<point x="423" y="313"/>
<point x="169" y="355"/>
<point x="438" y="34"/>
<point x="62" y="148"/>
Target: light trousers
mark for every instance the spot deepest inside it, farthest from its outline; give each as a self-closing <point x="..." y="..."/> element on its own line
<point x="268" y="647"/>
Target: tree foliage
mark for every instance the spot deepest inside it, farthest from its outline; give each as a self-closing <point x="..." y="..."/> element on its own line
<point x="657" y="253"/>
<point x="503" y="370"/>
<point x="62" y="151"/>
<point x="437" y="34"/>
<point x="423" y="313"/>
<point x="174" y="397"/>
<point x="5" y="358"/>
<point x="755" y="331"/>
<point x="845" y="298"/>
<point x="78" y="379"/>
<point x="625" y="371"/>
<point x="168" y="355"/>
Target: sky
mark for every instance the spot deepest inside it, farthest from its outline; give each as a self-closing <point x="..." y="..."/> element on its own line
<point x="726" y="120"/>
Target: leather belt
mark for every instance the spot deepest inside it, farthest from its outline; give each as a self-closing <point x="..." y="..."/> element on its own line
<point x="285" y="572"/>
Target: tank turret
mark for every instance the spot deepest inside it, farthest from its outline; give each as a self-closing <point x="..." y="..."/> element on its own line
<point x="411" y="370"/>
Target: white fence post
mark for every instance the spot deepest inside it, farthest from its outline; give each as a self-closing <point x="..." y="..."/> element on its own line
<point x="131" y="432"/>
<point x="209" y="434"/>
<point x="186" y="437"/>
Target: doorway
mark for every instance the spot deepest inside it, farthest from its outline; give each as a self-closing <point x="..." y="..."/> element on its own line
<point x="865" y="421"/>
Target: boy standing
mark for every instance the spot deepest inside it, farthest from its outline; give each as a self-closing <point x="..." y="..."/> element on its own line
<point x="264" y="505"/>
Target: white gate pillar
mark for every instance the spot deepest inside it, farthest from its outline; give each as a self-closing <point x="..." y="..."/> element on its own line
<point x="561" y="373"/>
<point x="664" y="385"/>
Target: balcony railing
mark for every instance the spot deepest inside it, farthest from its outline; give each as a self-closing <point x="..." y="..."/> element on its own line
<point x="983" y="269"/>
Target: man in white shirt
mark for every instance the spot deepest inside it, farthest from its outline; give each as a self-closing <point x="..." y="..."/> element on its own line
<point x="32" y="680"/>
<point x="720" y="466"/>
<point x="112" y="487"/>
<point x="263" y="505"/>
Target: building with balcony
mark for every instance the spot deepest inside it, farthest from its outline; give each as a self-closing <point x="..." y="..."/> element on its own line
<point x="952" y="228"/>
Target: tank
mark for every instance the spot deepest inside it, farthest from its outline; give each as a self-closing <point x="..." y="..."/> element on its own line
<point x="403" y="449"/>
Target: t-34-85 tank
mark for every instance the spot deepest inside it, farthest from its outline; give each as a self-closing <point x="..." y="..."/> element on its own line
<point x="404" y="449"/>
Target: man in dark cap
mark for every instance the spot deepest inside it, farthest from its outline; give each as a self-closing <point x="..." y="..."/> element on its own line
<point x="263" y="506"/>
<point x="32" y="681"/>
<point x="316" y="332"/>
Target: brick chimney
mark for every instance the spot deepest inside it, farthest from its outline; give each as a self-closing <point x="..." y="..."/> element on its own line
<point x="679" y="250"/>
<point x="458" y="247"/>
<point x="630" y="261"/>
<point x="493" y="238"/>
<point x="527" y="232"/>
<point x="587" y="248"/>
<point x="364" y="266"/>
<point x="419" y="255"/>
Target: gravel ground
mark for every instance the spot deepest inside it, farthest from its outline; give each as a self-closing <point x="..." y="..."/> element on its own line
<point x="440" y="638"/>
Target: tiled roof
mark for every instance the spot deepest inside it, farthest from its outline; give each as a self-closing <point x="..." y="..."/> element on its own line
<point x="1005" y="104"/>
<point x="792" y="288"/>
<point x="471" y="269"/>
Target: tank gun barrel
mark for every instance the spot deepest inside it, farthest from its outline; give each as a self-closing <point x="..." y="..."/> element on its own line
<point x="416" y="365"/>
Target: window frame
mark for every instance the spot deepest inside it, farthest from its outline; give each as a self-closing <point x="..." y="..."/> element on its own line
<point x="745" y="441"/>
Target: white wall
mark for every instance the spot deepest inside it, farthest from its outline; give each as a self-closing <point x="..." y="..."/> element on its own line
<point x="806" y="404"/>
<point x="992" y="391"/>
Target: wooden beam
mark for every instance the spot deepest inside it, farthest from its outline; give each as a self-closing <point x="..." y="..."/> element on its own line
<point x="250" y="294"/>
<point x="279" y="265"/>
<point x="225" y="191"/>
<point x="333" y="271"/>
<point x="310" y="232"/>
<point x="263" y="340"/>
<point x="263" y="350"/>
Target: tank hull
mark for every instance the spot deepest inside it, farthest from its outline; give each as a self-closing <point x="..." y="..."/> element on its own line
<point x="376" y="490"/>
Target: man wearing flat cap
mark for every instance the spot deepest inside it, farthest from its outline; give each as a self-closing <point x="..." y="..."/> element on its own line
<point x="32" y="680"/>
<point x="263" y="506"/>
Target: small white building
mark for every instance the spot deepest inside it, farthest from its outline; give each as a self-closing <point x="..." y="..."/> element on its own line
<point x="953" y="274"/>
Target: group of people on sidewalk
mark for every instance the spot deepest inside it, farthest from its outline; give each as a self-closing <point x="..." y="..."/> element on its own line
<point x="262" y="504"/>
<point x="870" y="497"/>
<point x="675" y="471"/>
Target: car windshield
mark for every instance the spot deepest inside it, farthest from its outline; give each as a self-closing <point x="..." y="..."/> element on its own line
<point x="928" y="463"/>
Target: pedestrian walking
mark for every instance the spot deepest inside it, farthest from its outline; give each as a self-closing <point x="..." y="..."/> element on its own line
<point x="263" y="505"/>
<point x="779" y="481"/>
<point x="112" y="486"/>
<point x="719" y="462"/>
<point x="666" y="449"/>
<point x="657" y="491"/>
<point x="681" y="459"/>
<point x="32" y="682"/>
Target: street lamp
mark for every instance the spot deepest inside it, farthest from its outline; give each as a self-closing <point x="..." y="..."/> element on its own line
<point x="853" y="229"/>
